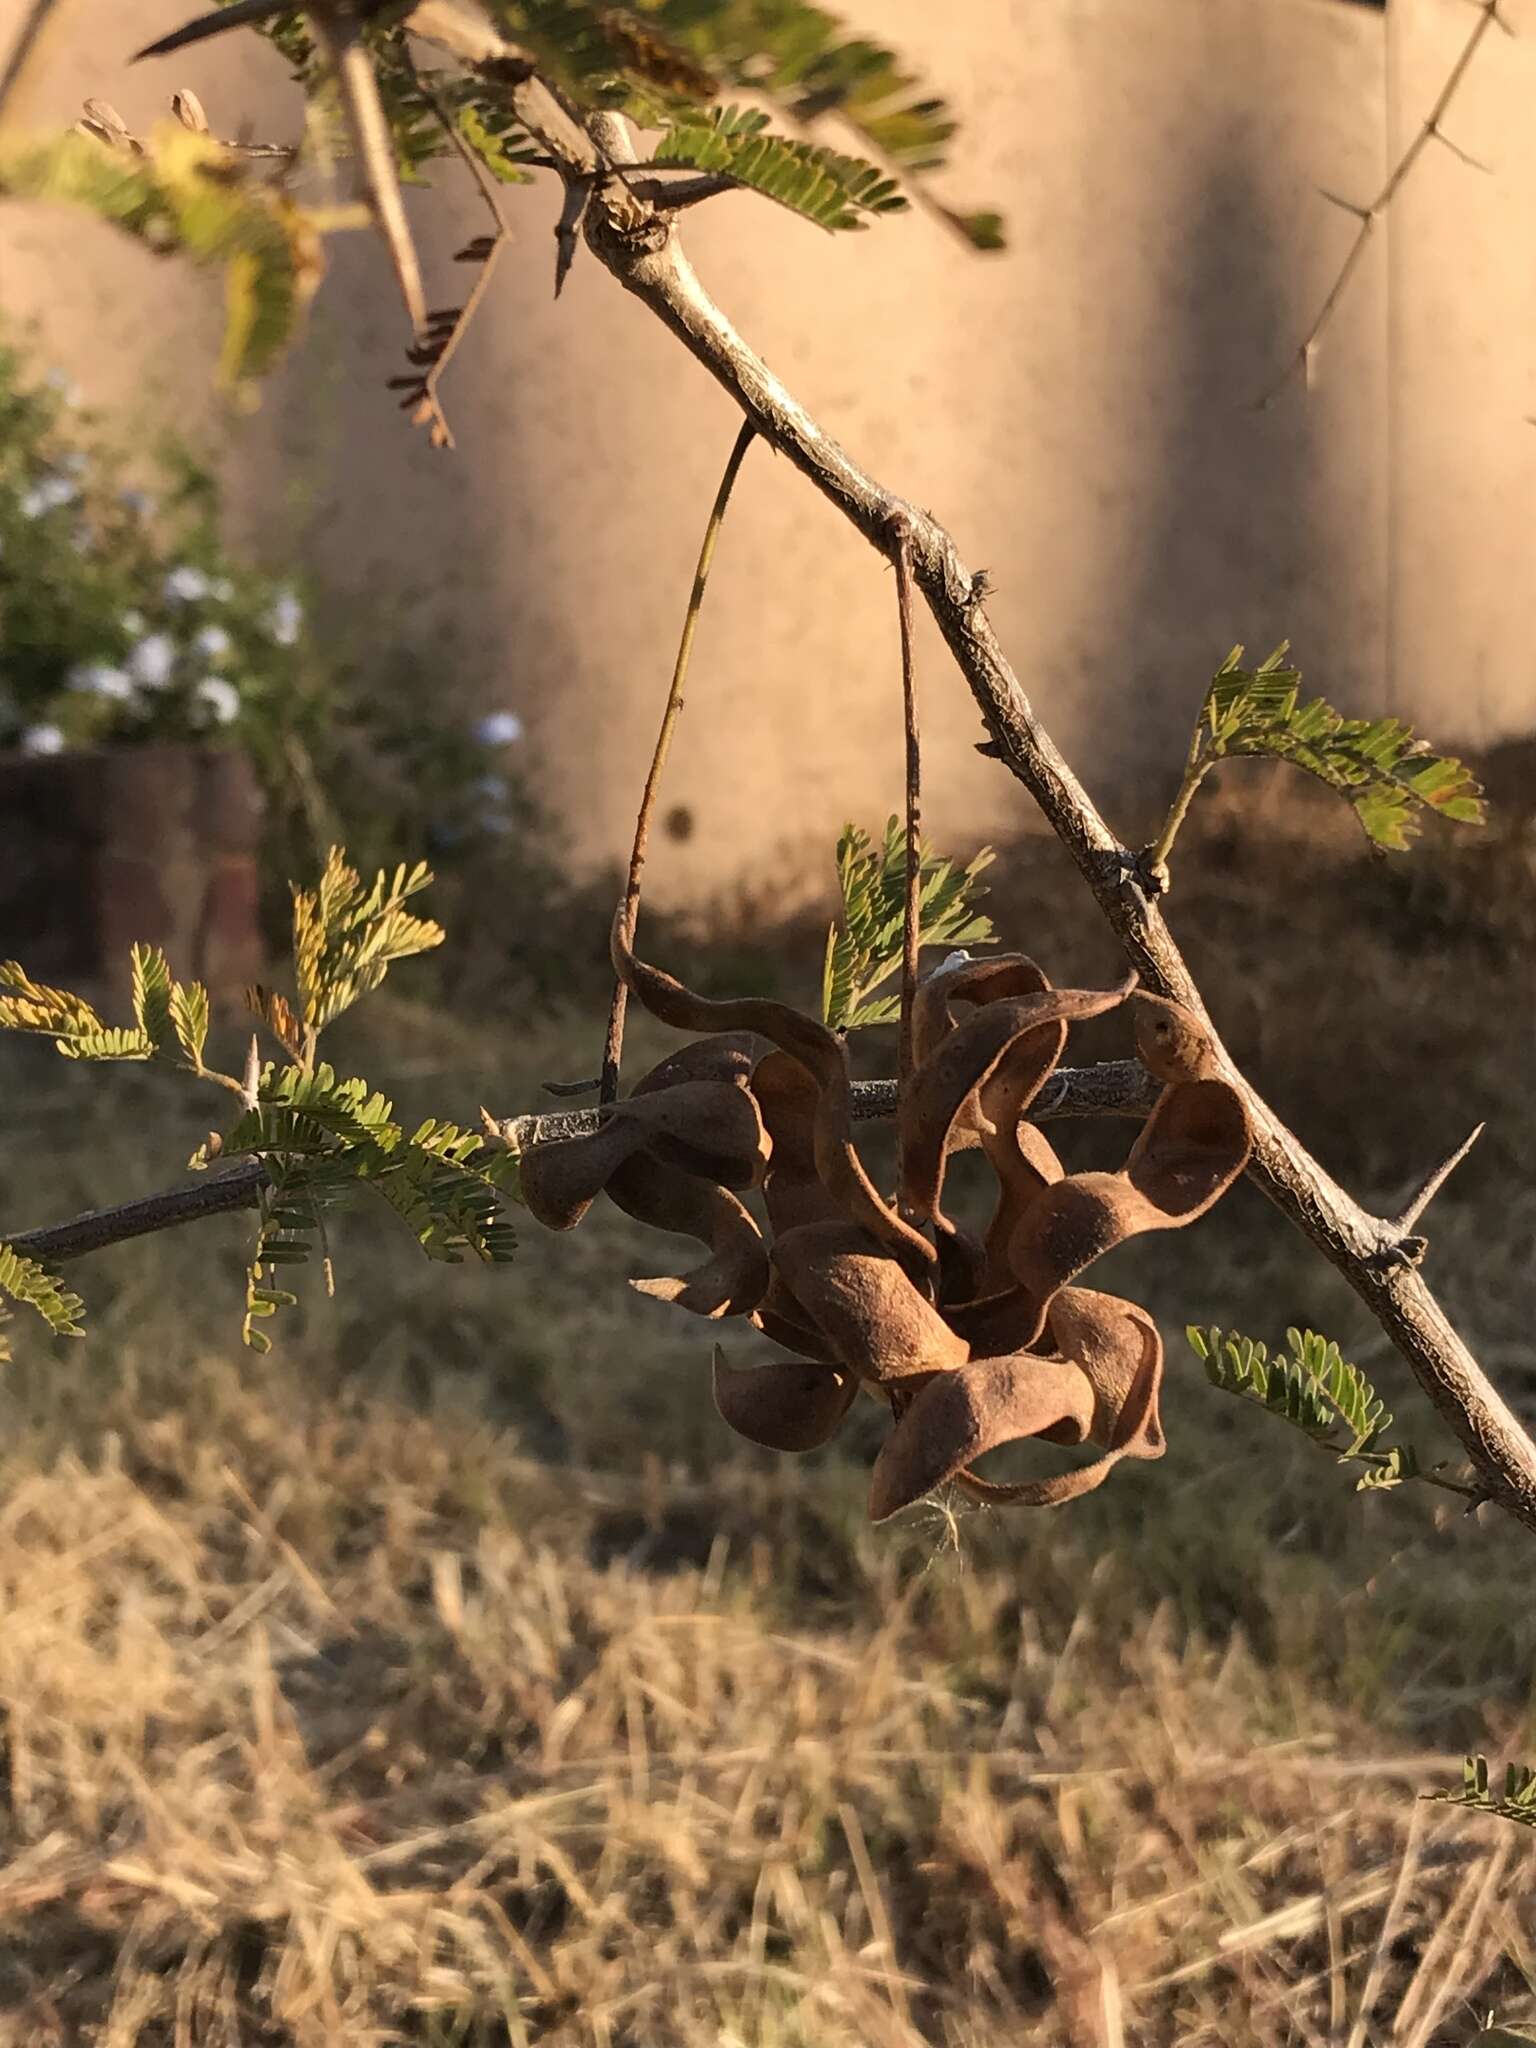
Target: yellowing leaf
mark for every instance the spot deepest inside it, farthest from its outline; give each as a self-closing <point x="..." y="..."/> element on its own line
<point x="187" y="194"/>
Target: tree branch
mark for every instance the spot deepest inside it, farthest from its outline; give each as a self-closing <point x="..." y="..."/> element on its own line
<point x="1430" y="130"/>
<point x="1115" y="1088"/>
<point x="640" y="247"/>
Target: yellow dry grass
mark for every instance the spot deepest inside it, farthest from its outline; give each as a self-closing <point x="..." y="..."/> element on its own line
<point x="330" y="1722"/>
<point x="450" y="1677"/>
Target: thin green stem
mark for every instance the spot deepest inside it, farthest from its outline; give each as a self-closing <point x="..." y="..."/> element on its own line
<point x="1155" y="859"/>
<point x="614" y="1047"/>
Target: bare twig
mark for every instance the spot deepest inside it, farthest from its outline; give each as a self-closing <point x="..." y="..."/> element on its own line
<point x="614" y="1046"/>
<point x="912" y="898"/>
<point x="1431" y="130"/>
<point x="217" y="1195"/>
<point x="1115" y="1088"/>
<point x="438" y="344"/>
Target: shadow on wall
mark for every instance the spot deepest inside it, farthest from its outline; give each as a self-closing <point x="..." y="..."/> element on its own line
<point x="1240" y="527"/>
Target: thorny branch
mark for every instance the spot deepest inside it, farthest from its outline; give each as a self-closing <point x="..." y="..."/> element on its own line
<point x="641" y="248"/>
<point x="1113" y="1088"/>
<point x="911" y="918"/>
<point x="1430" y="130"/>
<point x="639" y="245"/>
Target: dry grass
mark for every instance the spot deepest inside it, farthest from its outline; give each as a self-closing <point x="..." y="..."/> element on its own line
<point x="447" y="1679"/>
<point x="326" y="1721"/>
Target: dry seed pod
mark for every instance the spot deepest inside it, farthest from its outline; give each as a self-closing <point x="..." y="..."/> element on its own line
<point x="823" y="1056"/>
<point x="723" y="1056"/>
<point x="735" y="1279"/>
<point x="960" y="1415"/>
<point x="561" y="1180"/>
<point x="779" y="1316"/>
<point x="1111" y="1340"/>
<point x="856" y="1295"/>
<point x="1106" y="1392"/>
<point x="787" y="1099"/>
<point x="1024" y="1168"/>
<point x="709" y="1129"/>
<point x="1001" y="978"/>
<point x="1193" y="1147"/>
<point x="1171" y="1042"/>
<point x="966" y="1058"/>
<point x="786" y="1405"/>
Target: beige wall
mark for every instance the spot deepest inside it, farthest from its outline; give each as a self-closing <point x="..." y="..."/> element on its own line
<point x="1076" y="410"/>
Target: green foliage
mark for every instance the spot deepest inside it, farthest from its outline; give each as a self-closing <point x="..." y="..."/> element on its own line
<point x="23" y="1280"/>
<point x="867" y="949"/>
<point x="1516" y="1802"/>
<point x="664" y="62"/>
<point x="327" y="1141"/>
<point x="1388" y="775"/>
<point x="832" y="190"/>
<point x="185" y="192"/>
<point x="170" y="1020"/>
<point x="30" y="1006"/>
<point x="345" y="937"/>
<point x="1313" y="1387"/>
<point x="323" y="1140"/>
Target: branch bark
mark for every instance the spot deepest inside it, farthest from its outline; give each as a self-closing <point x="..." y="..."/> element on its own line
<point x="640" y="247"/>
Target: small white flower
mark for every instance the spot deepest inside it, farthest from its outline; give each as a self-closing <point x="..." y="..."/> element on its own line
<point x="499" y="729"/>
<point x="220" y="696"/>
<point x="185" y="585"/>
<point x="153" y="661"/>
<point x="46" y="496"/>
<point x="42" y="739"/>
<point x="211" y="642"/>
<point x="285" y="619"/>
<point x="132" y="624"/>
<point x="221" y="590"/>
<point x="99" y="679"/>
<point x="492" y="790"/>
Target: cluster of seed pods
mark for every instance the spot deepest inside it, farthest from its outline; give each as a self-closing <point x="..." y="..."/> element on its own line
<point x="971" y="1342"/>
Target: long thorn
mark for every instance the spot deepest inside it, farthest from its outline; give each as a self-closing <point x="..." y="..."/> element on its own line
<point x="1437" y="1180"/>
<point x="614" y="1047"/>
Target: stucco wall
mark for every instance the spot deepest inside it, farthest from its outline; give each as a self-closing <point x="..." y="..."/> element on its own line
<point x="1077" y="411"/>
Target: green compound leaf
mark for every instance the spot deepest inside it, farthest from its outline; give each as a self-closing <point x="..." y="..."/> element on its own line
<point x="189" y="1020"/>
<point x="1314" y="1388"/>
<point x="865" y="950"/>
<point x="1515" y="1802"/>
<point x="186" y="193"/>
<point x="1389" y="775"/>
<point x="152" y="986"/>
<point x="55" y="1012"/>
<point x="171" y="1021"/>
<point x="24" y="1280"/>
<point x="345" y="937"/>
<point x="831" y="190"/>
